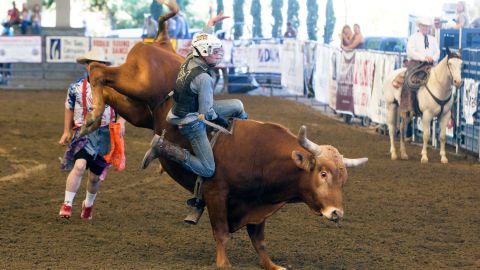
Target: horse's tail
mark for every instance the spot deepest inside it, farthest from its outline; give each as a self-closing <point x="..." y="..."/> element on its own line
<point x="162" y="33"/>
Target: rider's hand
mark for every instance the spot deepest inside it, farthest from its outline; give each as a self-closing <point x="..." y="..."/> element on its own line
<point x="221" y="122"/>
<point x="429" y="59"/>
<point x="201" y="117"/>
<point x="214" y="20"/>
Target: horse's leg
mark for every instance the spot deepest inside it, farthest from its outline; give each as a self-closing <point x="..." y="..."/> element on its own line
<point x="392" y="125"/>
<point x="403" y="124"/>
<point x="426" y="119"/>
<point x="217" y="211"/>
<point x="443" y="130"/>
<point x="257" y="235"/>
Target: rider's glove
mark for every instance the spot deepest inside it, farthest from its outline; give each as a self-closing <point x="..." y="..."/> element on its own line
<point x="221" y="122"/>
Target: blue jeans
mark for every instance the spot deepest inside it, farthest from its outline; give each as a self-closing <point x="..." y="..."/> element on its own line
<point x="203" y="162"/>
<point x="230" y="108"/>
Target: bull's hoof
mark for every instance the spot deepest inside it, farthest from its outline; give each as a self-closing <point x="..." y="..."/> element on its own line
<point x="444" y="160"/>
<point x="424" y="160"/>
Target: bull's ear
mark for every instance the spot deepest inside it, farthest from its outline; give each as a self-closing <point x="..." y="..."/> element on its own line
<point x="303" y="161"/>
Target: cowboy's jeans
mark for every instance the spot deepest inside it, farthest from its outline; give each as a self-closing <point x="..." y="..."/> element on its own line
<point x="230" y="108"/>
<point x="202" y="163"/>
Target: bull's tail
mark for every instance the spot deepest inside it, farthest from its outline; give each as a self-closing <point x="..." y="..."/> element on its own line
<point x="162" y="34"/>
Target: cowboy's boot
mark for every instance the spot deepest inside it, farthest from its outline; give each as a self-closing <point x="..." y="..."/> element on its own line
<point x="159" y="147"/>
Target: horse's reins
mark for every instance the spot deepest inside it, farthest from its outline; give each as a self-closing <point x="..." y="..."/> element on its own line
<point x="440" y="102"/>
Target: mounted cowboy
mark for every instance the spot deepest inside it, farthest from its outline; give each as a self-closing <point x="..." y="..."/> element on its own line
<point x="422" y="52"/>
<point x="194" y="107"/>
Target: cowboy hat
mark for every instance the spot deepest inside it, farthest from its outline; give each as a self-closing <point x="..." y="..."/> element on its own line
<point x="424" y="21"/>
<point x="95" y="54"/>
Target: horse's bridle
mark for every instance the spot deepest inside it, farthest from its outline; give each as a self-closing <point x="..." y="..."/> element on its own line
<point x="440" y="102"/>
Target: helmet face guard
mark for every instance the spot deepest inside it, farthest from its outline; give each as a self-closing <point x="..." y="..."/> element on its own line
<point x="203" y="44"/>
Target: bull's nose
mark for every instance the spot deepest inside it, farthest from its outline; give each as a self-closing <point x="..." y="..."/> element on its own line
<point x="336" y="215"/>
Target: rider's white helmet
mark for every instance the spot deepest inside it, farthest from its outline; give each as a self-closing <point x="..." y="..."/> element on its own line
<point x="204" y="44"/>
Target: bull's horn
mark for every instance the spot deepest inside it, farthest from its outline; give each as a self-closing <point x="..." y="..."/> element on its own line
<point x="306" y="143"/>
<point x="354" y="162"/>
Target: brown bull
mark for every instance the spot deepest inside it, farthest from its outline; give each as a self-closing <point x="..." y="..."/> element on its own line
<point x="259" y="168"/>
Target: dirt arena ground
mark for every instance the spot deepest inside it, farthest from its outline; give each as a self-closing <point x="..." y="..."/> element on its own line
<point x="398" y="214"/>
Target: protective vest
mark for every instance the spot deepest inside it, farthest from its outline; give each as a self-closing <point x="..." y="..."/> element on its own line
<point x="186" y="101"/>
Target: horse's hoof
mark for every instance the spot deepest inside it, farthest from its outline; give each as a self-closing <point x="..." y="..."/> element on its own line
<point x="444" y="160"/>
<point x="394" y="157"/>
<point x="404" y="156"/>
<point x="424" y="160"/>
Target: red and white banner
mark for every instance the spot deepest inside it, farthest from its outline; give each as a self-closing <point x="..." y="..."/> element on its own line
<point x="26" y="49"/>
<point x="116" y="49"/>
<point x="362" y="82"/>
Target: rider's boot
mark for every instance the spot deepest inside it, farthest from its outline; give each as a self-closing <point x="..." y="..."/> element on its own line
<point x="159" y="147"/>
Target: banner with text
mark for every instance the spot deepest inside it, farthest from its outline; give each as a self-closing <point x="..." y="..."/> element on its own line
<point x="363" y="82"/>
<point x="291" y="56"/>
<point x="21" y="49"/>
<point x="345" y="83"/>
<point x="65" y="49"/>
<point x="116" y="49"/>
<point x="266" y="58"/>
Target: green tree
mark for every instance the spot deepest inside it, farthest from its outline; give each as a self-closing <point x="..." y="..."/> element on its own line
<point x="312" y="18"/>
<point x="156" y="9"/>
<point x="220" y="8"/>
<point x="330" y="22"/>
<point x="292" y="13"/>
<point x="238" y="18"/>
<point x="278" y="18"/>
<point x="256" y="11"/>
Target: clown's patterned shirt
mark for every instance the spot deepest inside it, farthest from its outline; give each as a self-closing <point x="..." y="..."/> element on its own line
<point x="74" y="102"/>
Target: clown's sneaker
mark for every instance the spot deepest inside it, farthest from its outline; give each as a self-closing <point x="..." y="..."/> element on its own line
<point x="65" y="211"/>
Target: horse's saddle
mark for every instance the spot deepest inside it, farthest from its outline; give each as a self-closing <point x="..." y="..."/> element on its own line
<point x="411" y="80"/>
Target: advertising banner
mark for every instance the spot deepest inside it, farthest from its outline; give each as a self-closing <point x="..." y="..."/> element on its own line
<point x="322" y="73"/>
<point x="266" y="58"/>
<point x="470" y="96"/>
<point x="362" y="81"/>
<point x="26" y="49"/>
<point x="65" y="49"/>
<point x="291" y="59"/>
<point x="384" y="65"/>
<point x="345" y="83"/>
<point x="116" y="49"/>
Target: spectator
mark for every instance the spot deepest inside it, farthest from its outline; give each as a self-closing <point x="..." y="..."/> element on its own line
<point x="346" y="36"/>
<point x="290" y="33"/>
<point x="462" y="17"/>
<point x="178" y="26"/>
<point x="356" y="41"/>
<point x="150" y="28"/>
<point x="36" y="20"/>
<point x="26" y="19"/>
<point x="13" y="18"/>
<point x="437" y="26"/>
<point x="85" y="152"/>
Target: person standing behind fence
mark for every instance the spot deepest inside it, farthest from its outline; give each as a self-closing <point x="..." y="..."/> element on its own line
<point x="356" y="41"/>
<point x="462" y="16"/>
<point x="290" y="33"/>
<point x="150" y="28"/>
<point x="36" y="20"/>
<point x="13" y="18"/>
<point x="26" y="19"/>
<point x="85" y="152"/>
<point x="346" y="36"/>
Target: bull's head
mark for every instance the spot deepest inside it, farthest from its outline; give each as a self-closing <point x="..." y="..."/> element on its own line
<point x="321" y="187"/>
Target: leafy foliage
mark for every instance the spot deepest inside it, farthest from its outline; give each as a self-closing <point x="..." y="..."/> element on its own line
<point x="312" y="18"/>
<point x="256" y="10"/>
<point x="278" y="18"/>
<point x="292" y="13"/>
<point x="220" y="8"/>
<point x="238" y="18"/>
<point x="330" y="22"/>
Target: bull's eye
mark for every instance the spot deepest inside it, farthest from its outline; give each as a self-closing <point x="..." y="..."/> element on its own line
<point x="323" y="174"/>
